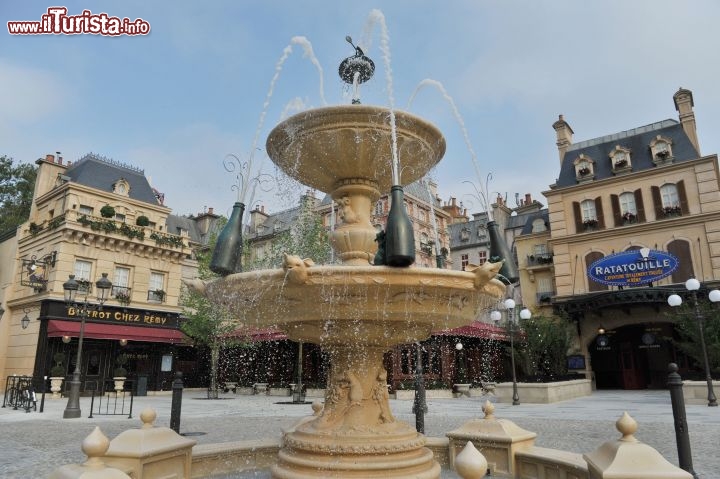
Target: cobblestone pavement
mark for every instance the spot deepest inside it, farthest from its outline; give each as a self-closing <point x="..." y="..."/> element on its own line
<point x="33" y="444"/>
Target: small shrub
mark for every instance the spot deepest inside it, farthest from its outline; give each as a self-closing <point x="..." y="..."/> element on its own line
<point x="142" y="221"/>
<point x="107" y="211"/>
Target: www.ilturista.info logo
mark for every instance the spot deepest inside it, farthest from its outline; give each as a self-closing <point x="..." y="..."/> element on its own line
<point x="57" y="22"/>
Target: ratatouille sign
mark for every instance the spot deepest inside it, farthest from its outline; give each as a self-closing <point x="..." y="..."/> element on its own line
<point x="633" y="268"/>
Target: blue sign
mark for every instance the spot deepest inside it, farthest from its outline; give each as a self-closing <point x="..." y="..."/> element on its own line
<point x="633" y="268"/>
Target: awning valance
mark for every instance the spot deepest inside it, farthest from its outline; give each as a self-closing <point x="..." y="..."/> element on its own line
<point x="477" y="329"/>
<point x="57" y="328"/>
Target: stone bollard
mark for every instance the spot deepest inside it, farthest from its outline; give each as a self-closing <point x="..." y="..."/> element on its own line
<point x="176" y="405"/>
<point x="682" y="437"/>
<point x="151" y="452"/>
<point x="628" y="458"/>
<point x="498" y="439"/>
<point x="94" y="446"/>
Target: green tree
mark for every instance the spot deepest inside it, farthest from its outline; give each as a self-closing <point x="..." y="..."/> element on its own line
<point x="543" y="345"/>
<point x="207" y="323"/>
<point x="17" y="185"/>
<point x="688" y="330"/>
<point x="306" y="237"/>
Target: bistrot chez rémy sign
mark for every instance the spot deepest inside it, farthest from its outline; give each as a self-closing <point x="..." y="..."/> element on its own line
<point x="633" y="268"/>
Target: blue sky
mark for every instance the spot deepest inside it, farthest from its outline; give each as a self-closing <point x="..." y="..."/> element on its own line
<point x="177" y="101"/>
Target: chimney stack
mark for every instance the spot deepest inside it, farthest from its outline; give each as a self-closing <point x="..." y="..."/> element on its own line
<point x="564" y="136"/>
<point x="684" y="105"/>
<point x="50" y="158"/>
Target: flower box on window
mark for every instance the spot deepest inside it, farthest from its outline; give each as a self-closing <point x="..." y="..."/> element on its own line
<point x="621" y="163"/>
<point x="590" y="224"/>
<point x="629" y="218"/>
<point x="670" y="211"/>
<point x="584" y="171"/>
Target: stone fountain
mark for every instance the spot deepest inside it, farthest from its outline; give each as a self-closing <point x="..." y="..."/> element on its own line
<point x="355" y="311"/>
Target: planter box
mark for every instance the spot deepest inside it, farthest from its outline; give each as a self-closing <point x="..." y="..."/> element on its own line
<point x="279" y="391"/>
<point x="695" y="392"/>
<point x="544" y="393"/>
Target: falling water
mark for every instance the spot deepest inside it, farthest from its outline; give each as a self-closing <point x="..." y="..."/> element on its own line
<point x="376" y="16"/>
<point x="295" y="105"/>
<point x="483" y="186"/>
<point x="308" y="52"/>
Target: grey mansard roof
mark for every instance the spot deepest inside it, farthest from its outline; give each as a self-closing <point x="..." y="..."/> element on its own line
<point x="98" y="172"/>
<point x="637" y="140"/>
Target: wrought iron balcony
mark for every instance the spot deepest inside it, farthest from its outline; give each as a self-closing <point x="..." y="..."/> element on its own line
<point x="156" y="296"/>
<point x="542" y="259"/>
<point x="122" y="294"/>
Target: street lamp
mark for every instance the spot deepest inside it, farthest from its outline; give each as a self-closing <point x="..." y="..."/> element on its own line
<point x="674" y="300"/>
<point x="25" y="321"/>
<point x="510" y="326"/>
<point x="70" y="287"/>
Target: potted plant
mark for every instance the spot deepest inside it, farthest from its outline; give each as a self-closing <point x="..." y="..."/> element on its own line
<point x="120" y="373"/>
<point x="123" y="297"/>
<point x="628" y="218"/>
<point x="584" y="171"/>
<point x="57" y="374"/>
<point x="107" y="211"/>
<point x="621" y="163"/>
<point x="142" y="220"/>
<point x="159" y="295"/>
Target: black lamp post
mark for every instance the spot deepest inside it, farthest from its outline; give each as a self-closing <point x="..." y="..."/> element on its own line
<point x="510" y="326"/>
<point x="693" y="285"/>
<point x="70" y="287"/>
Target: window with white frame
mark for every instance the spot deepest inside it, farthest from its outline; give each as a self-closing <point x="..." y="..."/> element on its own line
<point x="627" y="204"/>
<point x="482" y="257"/>
<point x="540" y="249"/>
<point x="82" y="270"/>
<point x="85" y="210"/>
<point x="156" y="287"/>
<point x="587" y="210"/>
<point x="379" y="208"/>
<point x="669" y="196"/>
<point x="122" y="277"/>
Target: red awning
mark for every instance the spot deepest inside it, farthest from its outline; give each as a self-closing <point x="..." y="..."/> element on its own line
<point x="477" y="329"/>
<point x="57" y="328"/>
<point x="262" y="334"/>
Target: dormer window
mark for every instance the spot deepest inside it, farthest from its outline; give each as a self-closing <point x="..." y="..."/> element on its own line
<point x="661" y="149"/>
<point x="121" y="187"/>
<point x="464" y="234"/>
<point x="620" y="160"/>
<point x="584" y="168"/>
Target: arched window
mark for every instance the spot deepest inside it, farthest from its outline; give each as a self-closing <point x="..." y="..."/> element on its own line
<point x="670" y="200"/>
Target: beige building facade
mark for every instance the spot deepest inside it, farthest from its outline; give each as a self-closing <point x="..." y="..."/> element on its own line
<point x="143" y="249"/>
<point x="647" y="188"/>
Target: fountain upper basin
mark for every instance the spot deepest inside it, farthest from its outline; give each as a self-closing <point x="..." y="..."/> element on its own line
<point x="323" y="146"/>
<point x="376" y="305"/>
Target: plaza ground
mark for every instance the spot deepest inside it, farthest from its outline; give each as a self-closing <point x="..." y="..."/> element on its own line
<point x="34" y="443"/>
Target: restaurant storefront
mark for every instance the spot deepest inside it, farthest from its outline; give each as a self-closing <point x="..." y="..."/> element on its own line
<point x="150" y="342"/>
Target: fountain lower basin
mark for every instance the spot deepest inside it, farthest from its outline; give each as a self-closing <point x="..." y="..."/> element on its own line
<point x="356" y="313"/>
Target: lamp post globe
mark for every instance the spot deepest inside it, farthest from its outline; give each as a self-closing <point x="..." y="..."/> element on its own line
<point x="525" y="314"/>
<point x="496" y="316"/>
<point x="509" y="303"/>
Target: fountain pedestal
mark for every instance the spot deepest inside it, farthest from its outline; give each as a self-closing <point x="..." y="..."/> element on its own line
<point x="356" y="435"/>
